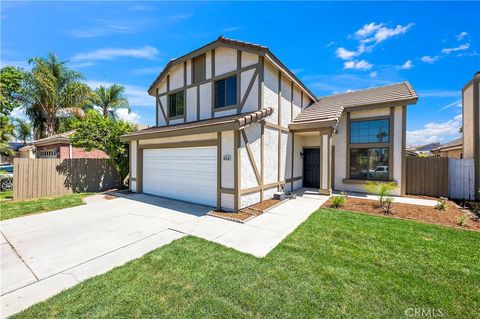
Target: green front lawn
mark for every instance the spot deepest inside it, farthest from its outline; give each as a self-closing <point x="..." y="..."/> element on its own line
<point x="6" y="195"/>
<point x="10" y="209"/>
<point x="336" y="264"/>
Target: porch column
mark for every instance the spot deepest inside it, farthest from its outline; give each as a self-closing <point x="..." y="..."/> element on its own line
<point x="325" y="163"/>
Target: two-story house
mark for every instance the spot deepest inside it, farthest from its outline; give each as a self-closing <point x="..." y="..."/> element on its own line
<point x="234" y="125"/>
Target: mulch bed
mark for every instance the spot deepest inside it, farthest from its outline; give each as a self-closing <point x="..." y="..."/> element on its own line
<point x="448" y="217"/>
<point x="246" y="213"/>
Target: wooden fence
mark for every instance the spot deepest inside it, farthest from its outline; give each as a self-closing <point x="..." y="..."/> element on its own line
<point x="427" y="176"/>
<point x="441" y="177"/>
<point x="461" y="178"/>
<point x="35" y="178"/>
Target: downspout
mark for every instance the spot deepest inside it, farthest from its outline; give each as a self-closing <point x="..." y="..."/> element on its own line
<point x="70" y="151"/>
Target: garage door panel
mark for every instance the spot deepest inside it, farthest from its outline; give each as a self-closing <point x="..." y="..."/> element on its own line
<point x="188" y="174"/>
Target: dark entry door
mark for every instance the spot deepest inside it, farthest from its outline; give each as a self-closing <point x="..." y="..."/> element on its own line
<point x="311" y="167"/>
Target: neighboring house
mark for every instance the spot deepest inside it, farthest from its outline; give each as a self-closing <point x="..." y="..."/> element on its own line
<point x="234" y="125"/>
<point x="424" y="149"/>
<point x="15" y="147"/>
<point x="59" y="146"/>
<point x="452" y="149"/>
<point x="471" y="125"/>
<point x="27" y="152"/>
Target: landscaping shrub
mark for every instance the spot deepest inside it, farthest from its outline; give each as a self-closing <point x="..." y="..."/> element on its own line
<point x="441" y="204"/>
<point x="383" y="191"/>
<point x="462" y="220"/>
<point x="339" y="200"/>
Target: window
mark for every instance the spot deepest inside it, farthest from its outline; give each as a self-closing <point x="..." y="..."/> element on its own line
<point x="226" y="92"/>
<point x="198" y="68"/>
<point x="373" y="131"/>
<point x="176" y="104"/>
<point x="369" y="163"/>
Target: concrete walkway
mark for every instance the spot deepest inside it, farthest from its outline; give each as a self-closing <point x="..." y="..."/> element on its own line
<point x="397" y="199"/>
<point x="261" y="234"/>
<point x="44" y="254"/>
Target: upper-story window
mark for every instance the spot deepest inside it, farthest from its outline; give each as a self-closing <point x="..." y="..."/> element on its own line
<point x="176" y="104"/>
<point x="198" y="68"/>
<point x="373" y="131"/>
<point x="226" y="92"/>
<point x="369" y="149"/>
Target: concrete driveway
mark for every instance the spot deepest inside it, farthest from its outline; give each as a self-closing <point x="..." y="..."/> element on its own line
<point x="46" y="253"/>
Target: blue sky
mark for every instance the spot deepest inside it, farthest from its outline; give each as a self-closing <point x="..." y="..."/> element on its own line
<point x="332" y="47"/>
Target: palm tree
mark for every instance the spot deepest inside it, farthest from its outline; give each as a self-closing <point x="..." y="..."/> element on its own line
<point x="110" y="99"/>
<point x="22" y="130"/>
<point x="51" y="90"/>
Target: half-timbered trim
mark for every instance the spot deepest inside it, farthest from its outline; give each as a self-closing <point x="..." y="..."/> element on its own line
<point x="251" y="157"/>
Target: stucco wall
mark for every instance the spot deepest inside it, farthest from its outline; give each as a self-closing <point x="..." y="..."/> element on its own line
<point x="270" y="91"/>
<point x="228" y="166"/>
<point x="251" y="102"/>
<point x="176" y="76"/>
<point x="468" y="123"/>
<point x="271" y="155"/>
<point x="133" y="164"/>
<point x="249" y="59"/>
<point x="286" y="103"/>
<point x="249" y="199"/>
<point x="205" y="101"/>
<point x="247" y="173"/>
<point x="191" y="104"/>
<point x="225" y="60"/>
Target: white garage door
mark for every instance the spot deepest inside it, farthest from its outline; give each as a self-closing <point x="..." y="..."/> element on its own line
<point x="188" y="174"/>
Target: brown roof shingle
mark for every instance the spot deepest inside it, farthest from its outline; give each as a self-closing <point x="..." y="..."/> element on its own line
<point x="330" y="108"/>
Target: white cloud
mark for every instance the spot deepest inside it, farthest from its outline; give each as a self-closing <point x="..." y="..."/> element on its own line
<point x="345" y="54"/>
<point x="357" y="65"/>
<point x="180" y="16"/>
<point x="231" y="29"/>
<point x="137" y="96"/>
<point x="377" y="33"/>
<point x="100" y="31"/>
<point x="457" y="103"/>
<point x="19" y="113"/>
<point x="462" y="47"/>
<point x="461" y="35"/>
<point x="439" y="93"/>
<point x="429" y="59"/>
<point x="373" y="74"/>
<point x="435" y="132"/>
<point x="152" y="70"/>
<point x="147" y="52"/>
<point x="131" y="117"/>
<point x="329" y="44"/>
<point x="406" y="66"/>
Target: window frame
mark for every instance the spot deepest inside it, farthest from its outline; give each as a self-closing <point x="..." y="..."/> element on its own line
<point x="204" y="77"/>
<point x="388" y="145"/>
<point x="170" y="117"/>
<point x="214" y="89"/>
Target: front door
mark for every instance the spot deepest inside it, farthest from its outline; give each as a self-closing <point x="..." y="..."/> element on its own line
<point x="311" y="167"/>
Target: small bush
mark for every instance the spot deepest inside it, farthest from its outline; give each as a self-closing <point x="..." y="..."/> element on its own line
<point x="339" y="200"/>
<point x="387" y="205"/>
<point x="462" y="220"/>
<point x="441" y="204"/>
<point x="382" y="190"/>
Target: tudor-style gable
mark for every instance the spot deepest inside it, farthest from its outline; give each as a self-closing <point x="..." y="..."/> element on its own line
<point x="223" y="78"/>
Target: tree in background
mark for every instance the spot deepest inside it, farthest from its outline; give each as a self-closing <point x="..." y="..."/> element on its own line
<point x="10" y="85"/>
<point x="50" y="90"/>
<point x="22" y="130"/>
<point x="110" y="99"/>
<point x="97" y="132"/>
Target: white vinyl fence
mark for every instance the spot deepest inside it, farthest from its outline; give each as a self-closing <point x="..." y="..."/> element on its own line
<point x="461" y="178"/>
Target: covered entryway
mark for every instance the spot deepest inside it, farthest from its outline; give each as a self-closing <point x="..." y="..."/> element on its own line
<point x="311" y="167"/>
<point x="188" y="174"/>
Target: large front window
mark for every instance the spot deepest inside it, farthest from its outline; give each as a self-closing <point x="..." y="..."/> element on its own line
<point x="374" y="131"/>
<point x="369" y="163"/>
<point x="226" y="92"/>
<point x="369" y="149"/>
<point x="176" y="104"/>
